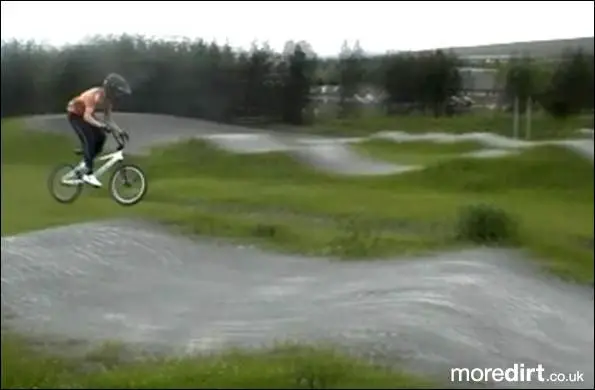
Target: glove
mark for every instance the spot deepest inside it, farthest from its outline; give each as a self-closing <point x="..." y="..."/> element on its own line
<point x="122" y="134"/>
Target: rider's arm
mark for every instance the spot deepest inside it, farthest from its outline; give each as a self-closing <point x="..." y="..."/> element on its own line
<point x="90" y="118"/>
<point x="107" y="117"/>
<point x="90" y="106"/>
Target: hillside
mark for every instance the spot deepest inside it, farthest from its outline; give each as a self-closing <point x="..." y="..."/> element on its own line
<point x="534" y="48"/>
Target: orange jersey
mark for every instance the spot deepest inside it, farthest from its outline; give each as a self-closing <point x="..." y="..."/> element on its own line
<point x="89" y="100"/>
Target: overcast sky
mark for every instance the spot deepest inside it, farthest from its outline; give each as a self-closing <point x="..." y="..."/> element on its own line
<point x="378" y="25"/>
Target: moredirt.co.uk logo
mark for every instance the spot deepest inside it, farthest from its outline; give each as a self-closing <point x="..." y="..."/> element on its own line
<point x="517" y="373"/>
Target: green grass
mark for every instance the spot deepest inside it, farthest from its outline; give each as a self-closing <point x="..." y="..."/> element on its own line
<point x="549" y="189"/>
<point x="188" y="182"/>
<point x="542" y="127"/>
<point x="280" y="367"/>
<point x="414" y="153"/>
<point x="280" y="203"/>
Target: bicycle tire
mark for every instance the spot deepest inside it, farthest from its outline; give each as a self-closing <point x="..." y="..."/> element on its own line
<point x="78" y="188"/>
<point x="113" y="188"/>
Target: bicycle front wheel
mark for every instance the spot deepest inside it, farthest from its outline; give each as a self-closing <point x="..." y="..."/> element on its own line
<point x="64" y="184"/>
<point x="128" y="184"/>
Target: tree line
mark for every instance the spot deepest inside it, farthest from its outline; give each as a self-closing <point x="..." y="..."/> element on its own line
<point x="563" y="88"/>
<point x="214" y="82"/>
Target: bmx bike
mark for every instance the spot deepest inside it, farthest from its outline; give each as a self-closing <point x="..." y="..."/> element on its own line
<point x="70" y="176"/>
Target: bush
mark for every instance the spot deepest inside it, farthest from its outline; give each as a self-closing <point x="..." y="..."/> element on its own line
<point x="485" y="224"/>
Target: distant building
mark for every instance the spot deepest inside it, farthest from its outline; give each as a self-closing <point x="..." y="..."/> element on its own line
<point x="366" y="94"/>
<point x="476" y="82"/>
<point x="484" y="59"/>
<point x="483" y="81"/>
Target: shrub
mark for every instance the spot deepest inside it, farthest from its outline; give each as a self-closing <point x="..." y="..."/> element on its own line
<point x="485" y="224"/>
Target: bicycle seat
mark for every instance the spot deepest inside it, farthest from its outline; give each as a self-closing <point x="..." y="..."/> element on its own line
<point x="78" y="152"/>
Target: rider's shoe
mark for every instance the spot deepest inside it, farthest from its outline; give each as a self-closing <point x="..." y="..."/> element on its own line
<point x="92" y="180"/>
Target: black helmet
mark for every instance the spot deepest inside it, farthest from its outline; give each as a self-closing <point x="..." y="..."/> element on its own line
<point x="116" y="86"/>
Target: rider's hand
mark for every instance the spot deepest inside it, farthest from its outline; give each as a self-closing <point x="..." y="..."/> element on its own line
<point x="121" y="133"/>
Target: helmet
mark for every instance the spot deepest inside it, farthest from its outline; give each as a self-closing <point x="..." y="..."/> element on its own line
<point x="116" y="86"/>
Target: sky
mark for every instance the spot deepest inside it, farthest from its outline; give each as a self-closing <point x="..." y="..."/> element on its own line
<point x="379" y="26"/>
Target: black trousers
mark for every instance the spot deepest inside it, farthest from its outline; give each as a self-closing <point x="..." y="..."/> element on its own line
<point x="92" y="138"/>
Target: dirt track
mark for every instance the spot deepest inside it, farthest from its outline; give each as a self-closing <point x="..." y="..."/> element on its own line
<point x="328" y="154"/>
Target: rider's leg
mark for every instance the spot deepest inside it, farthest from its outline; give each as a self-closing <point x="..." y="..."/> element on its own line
<point x="87" y="135"/>
<point x="100" y="138"/>
<point x="78" y="125"/>
<point x="96" y="139"/>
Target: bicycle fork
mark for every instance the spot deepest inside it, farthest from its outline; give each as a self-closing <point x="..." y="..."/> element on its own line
<point x="75" y="176"/>
<point x="125" y="177"/>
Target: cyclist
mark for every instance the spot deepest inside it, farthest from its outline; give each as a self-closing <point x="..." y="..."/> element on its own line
<point x="90" y="130"/>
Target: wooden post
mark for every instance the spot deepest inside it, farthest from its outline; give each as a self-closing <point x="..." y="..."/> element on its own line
<point x="515" y="119"/>
<point x="528" y="116"/>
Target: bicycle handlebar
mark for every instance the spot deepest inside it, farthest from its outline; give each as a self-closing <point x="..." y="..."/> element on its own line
<point x="120" y="138"/>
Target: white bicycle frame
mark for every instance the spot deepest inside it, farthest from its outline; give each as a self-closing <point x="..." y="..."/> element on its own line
<point x="110" y="158"/>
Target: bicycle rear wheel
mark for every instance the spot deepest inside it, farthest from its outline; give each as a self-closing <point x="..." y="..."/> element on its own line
<point x="128" y="184"/>
<point x="63" y="177"/>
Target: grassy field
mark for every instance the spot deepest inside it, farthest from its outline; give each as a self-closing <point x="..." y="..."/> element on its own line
<point x="279" y="202"/>
<point x="275" y="201"/>
<point x="280" y="367"/>
<point x="227" y="196"/>
<point x="549" y="190"/>
<point x="542" y="125"/>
